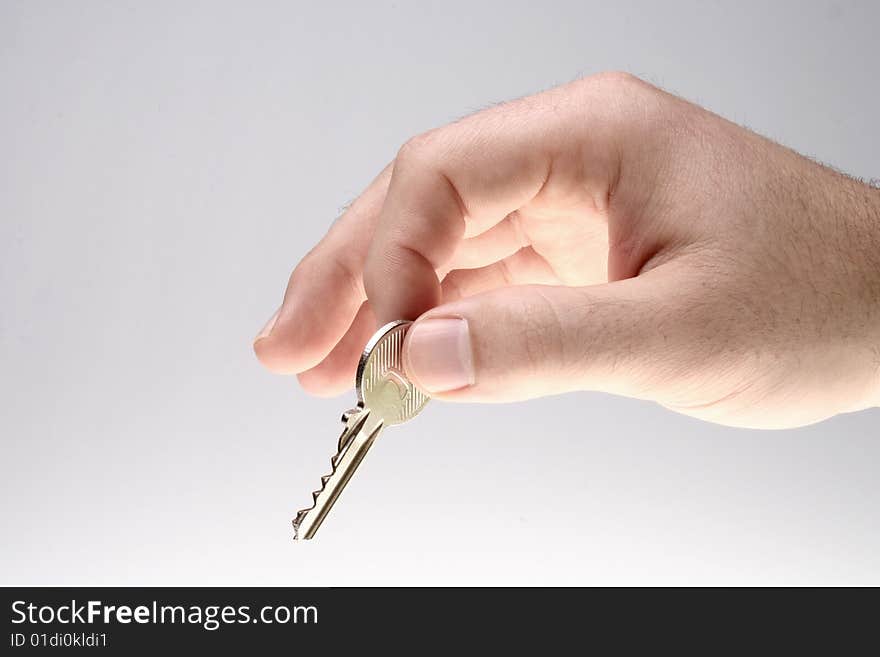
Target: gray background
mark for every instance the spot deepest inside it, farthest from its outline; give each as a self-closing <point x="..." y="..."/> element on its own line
<point x="162" y="168"/>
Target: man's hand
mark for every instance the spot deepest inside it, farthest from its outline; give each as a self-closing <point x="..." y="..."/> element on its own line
<point x="603" y="235"/>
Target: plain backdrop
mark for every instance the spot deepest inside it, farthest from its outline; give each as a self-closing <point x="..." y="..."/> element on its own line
<point x="164" y="165"/>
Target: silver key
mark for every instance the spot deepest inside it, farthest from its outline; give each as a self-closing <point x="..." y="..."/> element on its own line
<point x="385" y="397"/>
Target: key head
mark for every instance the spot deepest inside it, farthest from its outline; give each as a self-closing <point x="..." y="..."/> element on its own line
<point x="381" y="384"/>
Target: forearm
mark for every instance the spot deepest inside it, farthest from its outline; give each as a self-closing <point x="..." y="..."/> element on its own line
<point x="852" y="214"/>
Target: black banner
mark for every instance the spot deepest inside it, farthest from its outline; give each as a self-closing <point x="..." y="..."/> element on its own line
<point x="146" y="620"/>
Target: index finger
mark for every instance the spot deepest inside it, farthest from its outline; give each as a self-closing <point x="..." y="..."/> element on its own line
<point x="461" y="179"/>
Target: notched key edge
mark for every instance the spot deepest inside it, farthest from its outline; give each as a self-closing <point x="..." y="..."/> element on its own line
<point x="354" y="421"/>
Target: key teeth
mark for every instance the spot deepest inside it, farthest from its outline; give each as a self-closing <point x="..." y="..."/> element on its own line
<point x="302" y="513"/>
<point x="300" y="516"/>
<point x="353" y="419"/>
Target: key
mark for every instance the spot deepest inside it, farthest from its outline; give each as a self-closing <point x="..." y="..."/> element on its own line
<point x="385" y="398"/>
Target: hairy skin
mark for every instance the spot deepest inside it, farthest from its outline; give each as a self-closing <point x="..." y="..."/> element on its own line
<point x="605" y="235"/>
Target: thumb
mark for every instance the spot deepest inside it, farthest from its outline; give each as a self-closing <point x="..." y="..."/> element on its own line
<point x="521" y="342"/>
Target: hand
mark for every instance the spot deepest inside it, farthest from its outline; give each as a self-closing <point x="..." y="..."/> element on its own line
<point x="603" y="235"/>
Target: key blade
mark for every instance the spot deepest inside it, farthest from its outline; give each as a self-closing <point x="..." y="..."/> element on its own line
<point x="354" y="443"/>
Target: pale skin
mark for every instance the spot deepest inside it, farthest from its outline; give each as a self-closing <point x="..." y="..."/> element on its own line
<point x="603" y="235"/>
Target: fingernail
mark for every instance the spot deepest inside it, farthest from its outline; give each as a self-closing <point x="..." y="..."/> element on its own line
<point x="438" y="355"/>
<point x="267" y="329"/>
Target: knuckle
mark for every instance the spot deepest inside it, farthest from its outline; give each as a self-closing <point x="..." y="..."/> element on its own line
<point x="622" y="81"/>
<point x="296" y="274"/>
<point x="348" y="274"/>
<point x="417" y="149"/>
<point x="316" y="265"/>
<point x="306" y="266"/>
<point x="630" y="108"/>
<point x="620" y="85"/>
<point x="452" y="286"/>
<point x="505" y="272"/>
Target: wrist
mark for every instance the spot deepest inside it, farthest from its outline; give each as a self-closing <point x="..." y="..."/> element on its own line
<point x="872" y="277"/>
